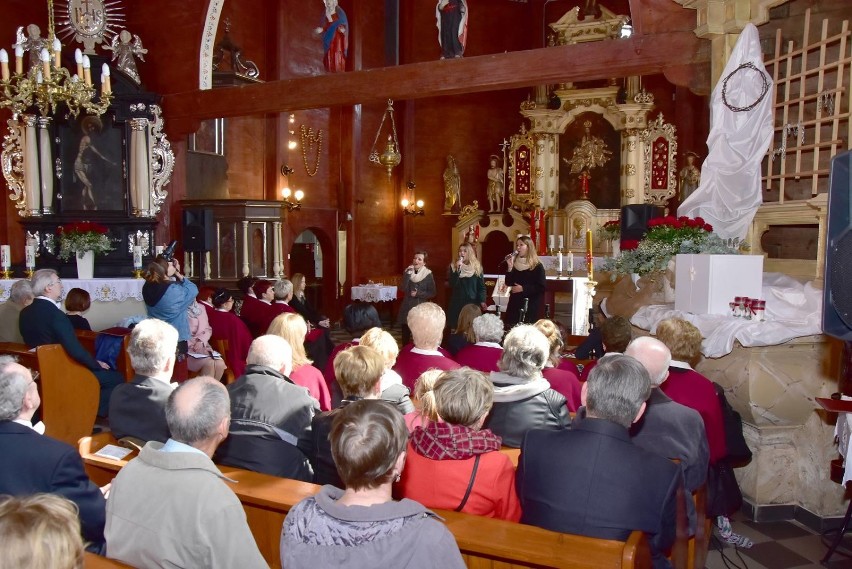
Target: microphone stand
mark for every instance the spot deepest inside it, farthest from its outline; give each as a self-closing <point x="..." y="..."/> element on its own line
<point x="524" y="311"/>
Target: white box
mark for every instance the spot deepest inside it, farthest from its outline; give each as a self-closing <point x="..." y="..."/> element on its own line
<point x="706" y="284"/>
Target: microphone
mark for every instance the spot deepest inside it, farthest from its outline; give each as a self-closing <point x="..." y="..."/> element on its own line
<point x="510" y="255"/>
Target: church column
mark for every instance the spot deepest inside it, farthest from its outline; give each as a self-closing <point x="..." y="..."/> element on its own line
<point x="31" y="169"/>
<point x="140" y="175"/>
<point x="632" y="168"/>
<point x="45" y="165"/>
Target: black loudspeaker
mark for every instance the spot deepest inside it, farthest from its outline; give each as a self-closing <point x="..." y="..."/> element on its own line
<point x="198" y="230"/>
<point x="837" y="288"/>
<point x="634" y="220"/>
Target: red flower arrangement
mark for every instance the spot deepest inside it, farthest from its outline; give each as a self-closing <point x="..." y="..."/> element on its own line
<point x="82" y="236"/>
<point x="681" y="222"/>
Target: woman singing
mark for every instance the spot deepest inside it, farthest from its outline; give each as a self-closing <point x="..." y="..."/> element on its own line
<point x="418" y="285"/>
<point x="526" y="282"/>
<point x="466" y="280"/>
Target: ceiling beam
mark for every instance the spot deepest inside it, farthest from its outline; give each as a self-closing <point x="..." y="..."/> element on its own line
<point x="639" y="55"/>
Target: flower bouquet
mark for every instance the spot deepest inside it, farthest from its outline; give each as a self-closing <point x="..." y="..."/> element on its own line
<point x="77" y="238"/>
<point x="610" y="231"/>
<point x="665" y="238"/>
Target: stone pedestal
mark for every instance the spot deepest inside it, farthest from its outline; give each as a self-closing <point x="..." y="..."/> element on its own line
<point x="792" y="439"/>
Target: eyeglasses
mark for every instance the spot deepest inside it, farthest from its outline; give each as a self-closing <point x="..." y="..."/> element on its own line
<point x="35" y="375"/>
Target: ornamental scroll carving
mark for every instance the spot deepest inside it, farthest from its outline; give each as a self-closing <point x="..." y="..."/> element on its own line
<point x="660" y="164"/>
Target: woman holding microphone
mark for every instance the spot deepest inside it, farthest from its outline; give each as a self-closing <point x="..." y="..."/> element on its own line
<point x="526" y="282"/>
<point x="466" y="282"/>
<point x="418" y="285"/>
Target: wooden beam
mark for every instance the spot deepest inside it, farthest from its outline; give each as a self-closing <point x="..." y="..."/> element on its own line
<point x="639" y="55"/>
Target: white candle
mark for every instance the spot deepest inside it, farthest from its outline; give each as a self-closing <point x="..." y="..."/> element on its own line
<point x="137" y="256"/>
<point x="78" y="58"/>
<point x="19" y="60"/>
<point x="29" y="255"/>
<point x="4" y="64"/>
<point x="159" y="249"/>
<point x="550" y="241"/>
<point x="561" y="242"/>
<point x="559" y="261"/>
<point x="5" y="256"/>
<point x="570" y="259"/>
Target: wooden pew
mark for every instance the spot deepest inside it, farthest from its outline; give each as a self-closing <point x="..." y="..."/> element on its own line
<point x="69" y="391"/>
<point x="485" y="543"/>
<point x="221" y="346"/>
<point x="92" y="561"/>
<point x="87" y="339"/>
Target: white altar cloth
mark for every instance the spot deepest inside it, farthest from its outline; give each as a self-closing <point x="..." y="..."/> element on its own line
<point x="101" y="290"/>
<point x="374" y="293"/>
<point x="793" y="310"/>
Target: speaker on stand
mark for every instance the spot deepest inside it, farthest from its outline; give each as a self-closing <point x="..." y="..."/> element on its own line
<point x="199" y="235"/>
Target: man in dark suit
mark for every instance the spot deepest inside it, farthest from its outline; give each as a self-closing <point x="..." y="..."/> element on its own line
<point x="43" y="322"/>
<point x="138" y="409"/>
<point x="34" y="463"/>
<point x="667" y="428"/>
<point x="592" y="480"/>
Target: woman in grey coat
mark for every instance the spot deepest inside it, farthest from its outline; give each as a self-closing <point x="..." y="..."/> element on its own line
<point x="418" y="285"/>
<point x="362" y="526"/>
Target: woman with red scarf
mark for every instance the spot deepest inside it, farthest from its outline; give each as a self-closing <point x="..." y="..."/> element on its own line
<point x="454" y="464"/>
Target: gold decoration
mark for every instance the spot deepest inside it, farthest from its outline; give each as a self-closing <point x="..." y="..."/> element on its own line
<point x="469" y="209"/>
<point x="309" y="139"/>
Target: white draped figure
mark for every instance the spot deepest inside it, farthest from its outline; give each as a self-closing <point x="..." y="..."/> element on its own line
<point x="729" y="193"/>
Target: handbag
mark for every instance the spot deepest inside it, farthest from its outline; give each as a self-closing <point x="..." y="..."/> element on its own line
<point x="470" y="484"/>
<point x="723" y="492"/>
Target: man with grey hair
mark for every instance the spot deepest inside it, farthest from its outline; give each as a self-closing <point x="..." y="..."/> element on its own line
<point x="170" y="507"/>
<point x="667" y="428"/>
<point x="20" y="296"/>
<point x="270" y="415"/>
<point x="483" y="355"/>
<point x="43" y="322"/>
<point x="592" y="480"/>
<point x="523" y="399"/>
<point x="33" y="462"/>
<point x="138" y="409"/>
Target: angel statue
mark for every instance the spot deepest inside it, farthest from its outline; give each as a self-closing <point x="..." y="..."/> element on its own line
<point x="33" y="43"/>
<point x="590" y="153"/>
<point x="124" y="51"/>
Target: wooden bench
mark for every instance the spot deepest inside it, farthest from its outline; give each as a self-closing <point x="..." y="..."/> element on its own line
<point x="88" y="338"/>
<point x="70" y="392"/>
<point x="221" y="346"/>
<point x="92" y="561"/>
<point x="485" y="543"/>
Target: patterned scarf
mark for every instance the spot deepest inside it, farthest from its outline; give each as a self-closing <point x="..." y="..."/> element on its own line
<point x="521" y="264"/>
<point x="418" y="276"/>
<point x="440" y="441"/>
<point x="466" y="271"/>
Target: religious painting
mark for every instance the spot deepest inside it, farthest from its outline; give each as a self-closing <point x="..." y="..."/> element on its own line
<point x="92" y="168"/>
<point x="209" y="138"/>
<point x="590" y="162"/>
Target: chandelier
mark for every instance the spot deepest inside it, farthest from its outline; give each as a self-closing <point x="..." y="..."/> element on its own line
<point x="47" y="85"/>
<point x="391" y="157"/>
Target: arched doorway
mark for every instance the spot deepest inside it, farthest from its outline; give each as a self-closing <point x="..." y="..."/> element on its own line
<point x="306" y="257"/>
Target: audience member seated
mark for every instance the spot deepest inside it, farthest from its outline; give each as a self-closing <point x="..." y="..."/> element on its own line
<point x="592" y="347"/>
<point x="205" y="298"/>
<point x="523" y="399"/>
<point x="454" y="464"/>
<point x="319" y="344"/>
<point x="591" y="479"/>
<point x="616" y="335"/>
<point x="483" y="355"/>
<point x="358" y="317"/>
<point x="20" y="296"/>
<point x="359" y="371"/>
<point x="138" y="409"/>
<point x="392" y="389"/>
<point x="257" y="311"/>
<point x="427" y="322"/>
<point x="40" y="531"/>
<point x="170" y="506"/>
<point x="687" y="386"/>
<point x="669" y="429"/>
<point x="563" y="381"/>
<point x="424" y="400"/>
<point x="362" y="526"/>
<point x="43" y="322"/>
<point x="78" y="301"/>
<point x="201" y="360"/>
<point x="293" y="328"/>
<point x="463" y="335"/>
<point x="35" y="463"/>
<point x="245" y="285"/>
<point x="228" y="326"/>
<point x="270" y="415"/>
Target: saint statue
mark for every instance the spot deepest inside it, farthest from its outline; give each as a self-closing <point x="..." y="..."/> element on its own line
<point x="496" y="184"/>
<point x="335" y="37"/>
<point x="32" y="43"/>
<point x="452" y="27"/>
<point x="125" y="50"/>
<point x="452" y="185"/>
<point x="689" y="176"/>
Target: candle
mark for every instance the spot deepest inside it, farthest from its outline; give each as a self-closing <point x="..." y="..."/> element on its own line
<point x="570" y="259"/>
<point x="589" y="242"/>
<point x="106" y="85"/>
<point x="590" y="260"/>
<point x="78" y="57"/>
<point x="559" y="261"/>
<point x="29" y="255"/>
<point x="87" y="70"/>
<point x="5" y="257"/>
<point x="19" y="60"/>
<point x="57" y="53"/>
<point x="45" y="63"/>
<point x="4" y="64"/>
<point x="561" y="242"/>
<point x="550" y="241"/>
<point x="137" y="256"/>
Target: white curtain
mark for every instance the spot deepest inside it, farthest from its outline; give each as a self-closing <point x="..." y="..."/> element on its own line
<point x="729" y="193"/>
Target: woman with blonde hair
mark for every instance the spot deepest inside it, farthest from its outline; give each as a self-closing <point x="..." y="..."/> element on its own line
<point x="40" y="531"/>
<point x="466" y="282"/>
<point x="563" y="381"/>
<point x="427" y="326"/>
<point x="424" y="400"/>
<point x="526" y="281"/>
<point x="390" y="384"/>
<point x="293" y="328"/>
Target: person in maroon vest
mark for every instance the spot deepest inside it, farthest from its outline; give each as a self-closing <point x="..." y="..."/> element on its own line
<point x="483" y="355"/>
<point x="562" y="381"/>
<point x="228" y="326"/>
<point x="427" y="328"/>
